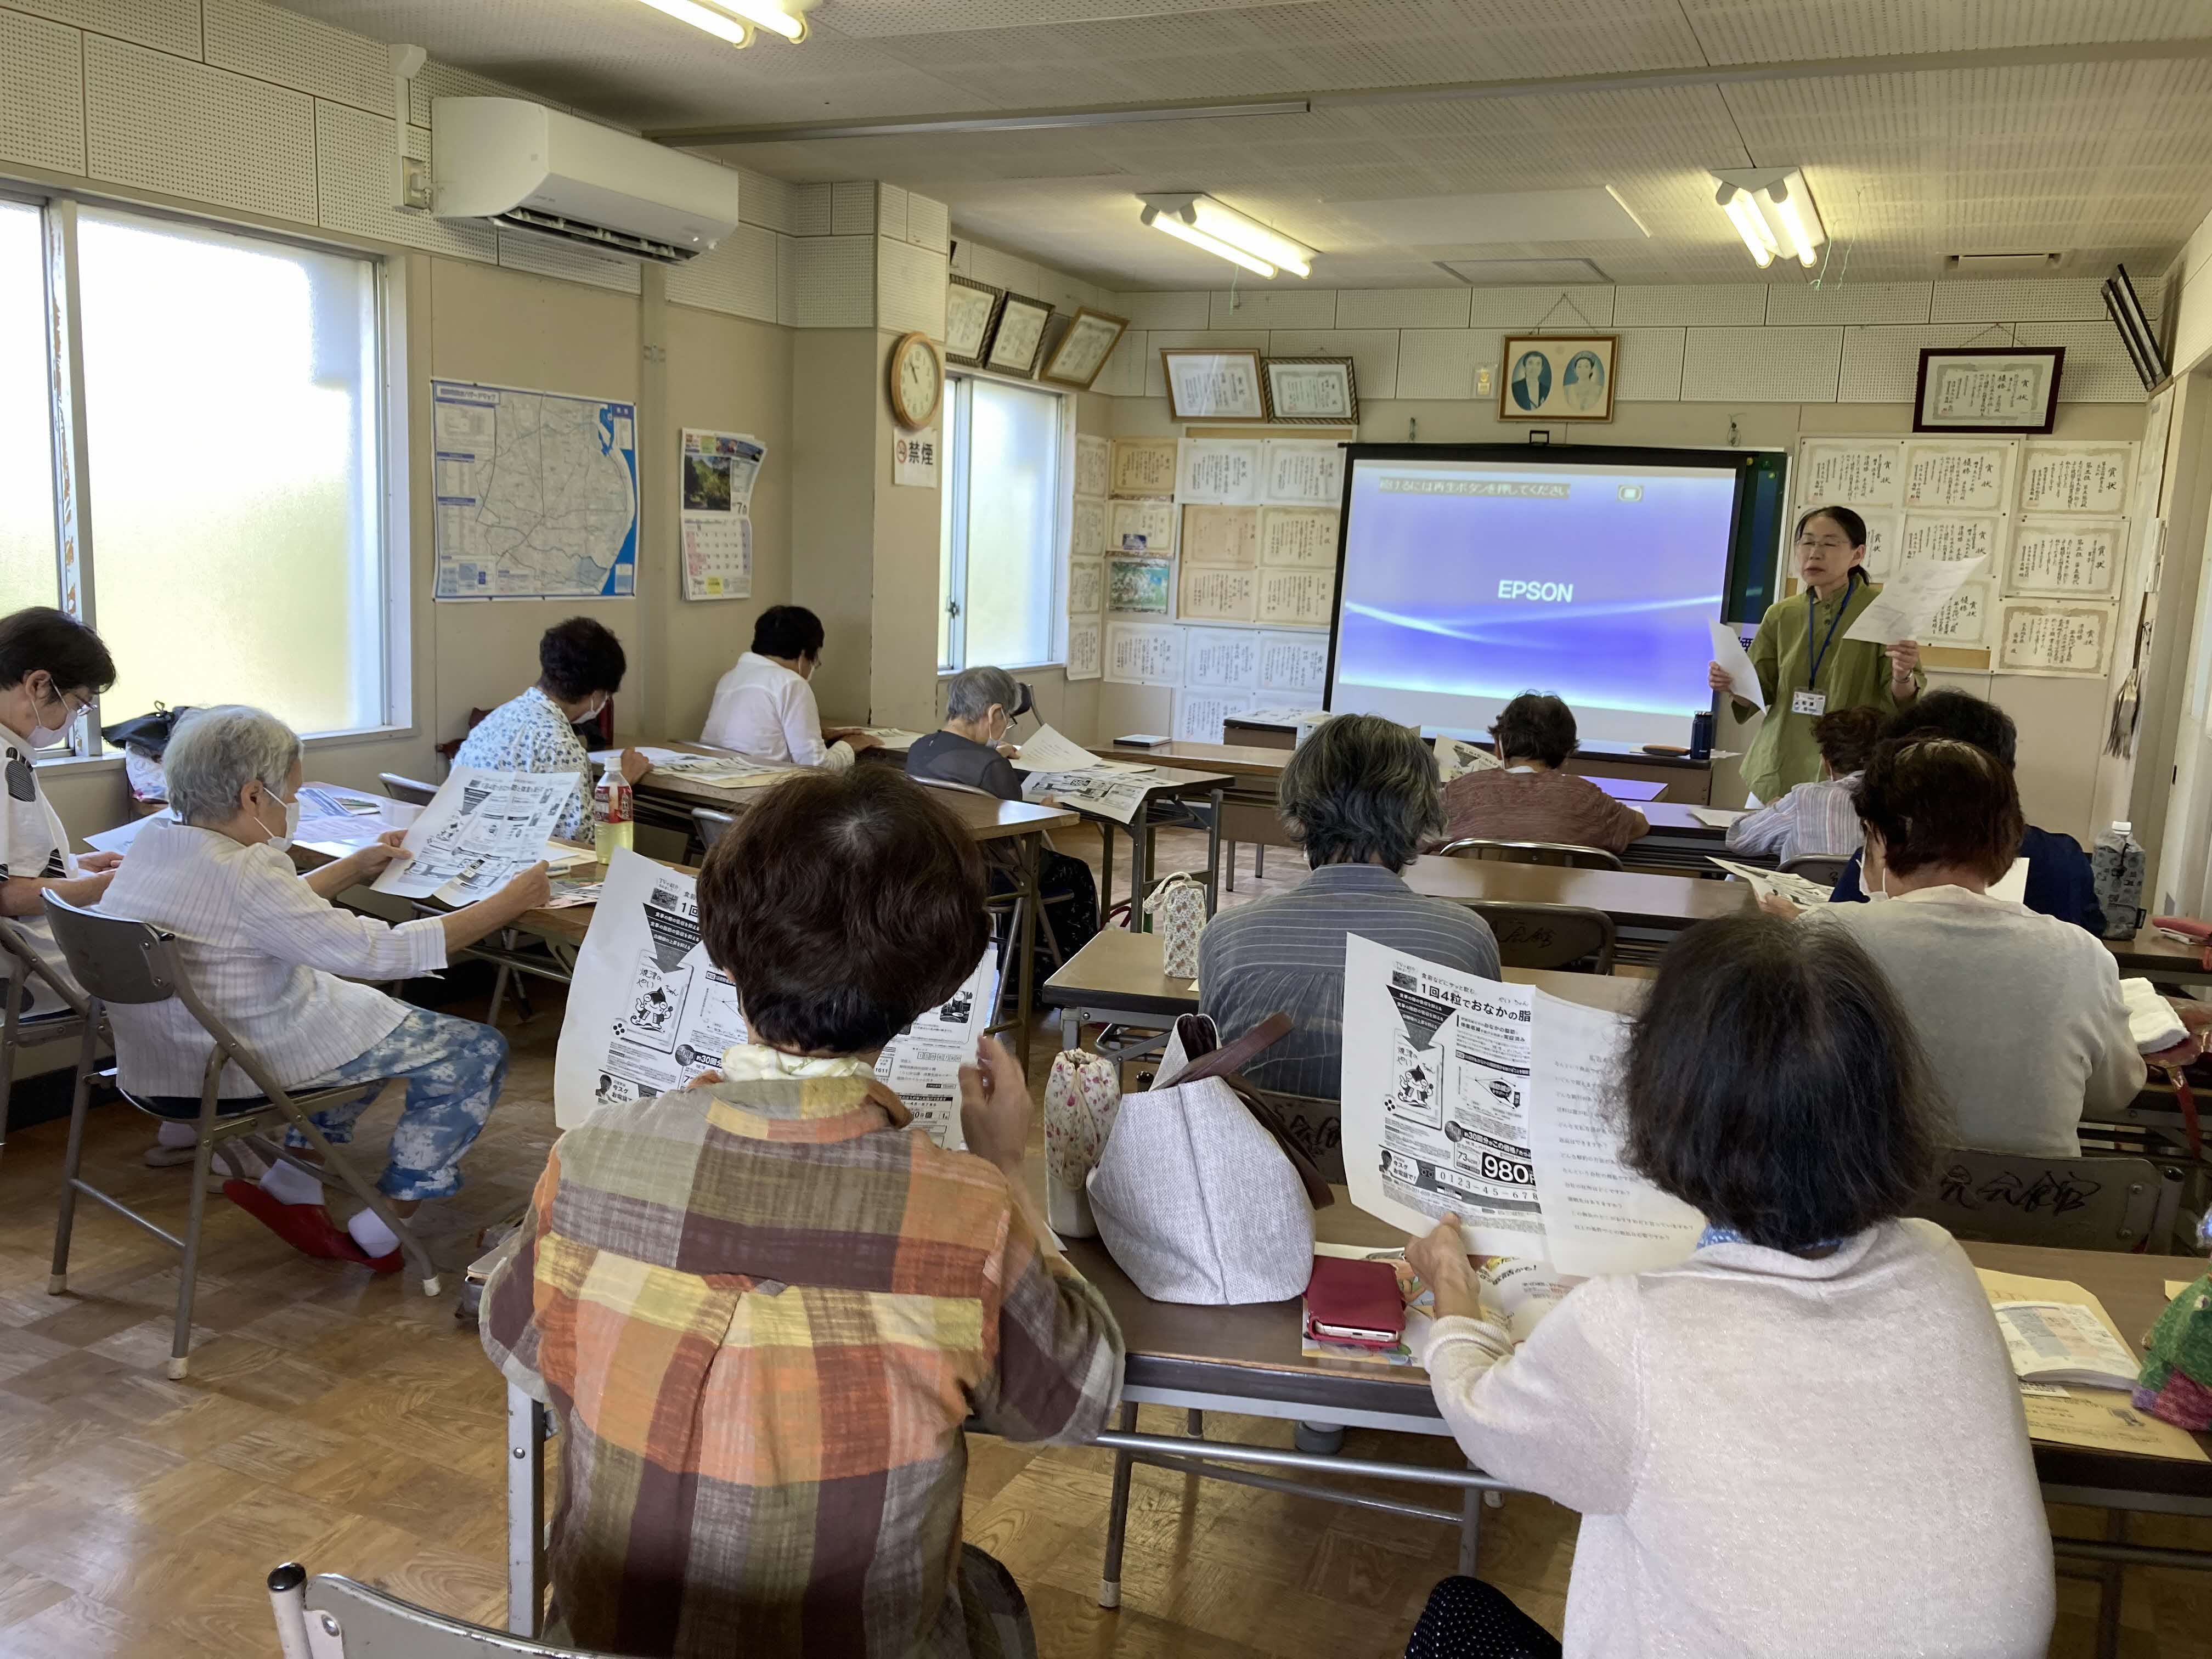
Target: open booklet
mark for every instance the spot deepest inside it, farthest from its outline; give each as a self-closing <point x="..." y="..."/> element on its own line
<point x="1496" y="1101"/>
<point x="2075" y="1368"/>
<point x="1047" y="751"/>
<point x="648" y="1012"/>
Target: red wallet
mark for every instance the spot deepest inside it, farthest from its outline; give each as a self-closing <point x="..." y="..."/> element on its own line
<point x="1355" y="1301"/>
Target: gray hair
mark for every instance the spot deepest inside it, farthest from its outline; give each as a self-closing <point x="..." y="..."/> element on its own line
<point x="1361" y="788"/>
<point x="216" y="752"/>
<point x="970" y="693"/>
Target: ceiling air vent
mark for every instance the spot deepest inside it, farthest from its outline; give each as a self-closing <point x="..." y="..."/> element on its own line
<point x="2000" y="265"/>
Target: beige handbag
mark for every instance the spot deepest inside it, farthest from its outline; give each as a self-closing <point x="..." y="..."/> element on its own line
<point x="1177" y="907"/>
<point x="1199" y="1194"/>
<point x="1080" y="1098"/>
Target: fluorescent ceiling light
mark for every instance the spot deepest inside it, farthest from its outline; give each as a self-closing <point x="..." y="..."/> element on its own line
<point x="1199" y="238"/>
<point x="1773" y="212"/>
<point x="1228" y="232"/>
<point x="791" y="25"/>
<point x="702" y="17"/>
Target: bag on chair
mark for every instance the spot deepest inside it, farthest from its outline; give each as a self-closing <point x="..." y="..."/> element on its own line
<point x="1080" y="1098"/>
<point x="1177" y="907"/>
<point x="1199" y="1194"/>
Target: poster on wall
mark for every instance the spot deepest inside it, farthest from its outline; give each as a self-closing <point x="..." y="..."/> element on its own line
<point x="536" y="494"/>
<point x="913" y="459"/>
<point x="716" y="484"/>
<point x="2073" y="641"/>
<point x="1143" y="653"/>
<point x="1083" y="643"/>
<point x="1138" y="584"/>
<point x="1093" y="464"/>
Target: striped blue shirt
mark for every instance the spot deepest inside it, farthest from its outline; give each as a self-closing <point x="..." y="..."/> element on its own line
<point x="1285" y="954"/>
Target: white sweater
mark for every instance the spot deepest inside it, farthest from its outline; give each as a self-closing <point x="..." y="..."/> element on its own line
<point x="1773" y="1456"/>
<point x="2022" y="1014"/>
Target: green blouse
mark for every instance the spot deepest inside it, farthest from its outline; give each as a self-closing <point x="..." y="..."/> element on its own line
<point x="1855" y="673"/>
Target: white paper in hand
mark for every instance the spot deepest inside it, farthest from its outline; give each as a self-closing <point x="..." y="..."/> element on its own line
<point x="1729" y="653"/>
<point x="1047" y="751"/>
<point x="1908" y="602"/>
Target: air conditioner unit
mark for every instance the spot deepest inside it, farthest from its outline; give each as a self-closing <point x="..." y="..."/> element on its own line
<point x="527" y="167"/>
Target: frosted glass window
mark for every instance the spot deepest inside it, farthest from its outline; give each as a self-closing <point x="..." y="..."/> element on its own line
<point x="28" y="573"/>
<point x="231" y="414"/>
<point x="1002" y="526"/>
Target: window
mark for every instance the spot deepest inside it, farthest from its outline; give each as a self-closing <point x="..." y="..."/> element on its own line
<point x="229" y="417"/>
<point x="998" y="556"/>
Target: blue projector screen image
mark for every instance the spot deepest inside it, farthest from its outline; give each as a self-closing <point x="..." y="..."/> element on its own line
<point x="1468" y="582"/>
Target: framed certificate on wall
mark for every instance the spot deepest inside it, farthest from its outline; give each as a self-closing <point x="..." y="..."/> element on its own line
<point x="2001" y="389"/>
<point x="1219" y="384"/>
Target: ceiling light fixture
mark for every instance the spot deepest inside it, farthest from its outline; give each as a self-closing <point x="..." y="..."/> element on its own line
<point x="790" y="22"/>
<point x="1220" y="229"/>
<point x="734" y="20"/>
<point x="1773" y="212"/>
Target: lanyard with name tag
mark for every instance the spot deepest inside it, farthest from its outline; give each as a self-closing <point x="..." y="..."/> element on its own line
<point x="1810" y="701"/>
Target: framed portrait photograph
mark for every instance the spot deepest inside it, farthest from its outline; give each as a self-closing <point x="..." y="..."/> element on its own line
<point x="1020" y="338"/>
<point x="1083" y="348"/>
<point x="1312" y="392"/>
<point x="1214" y="384"/>
<point x="1997" y="389"/>
<point x="971" y="310"/>
<point x="1557" y="377"/>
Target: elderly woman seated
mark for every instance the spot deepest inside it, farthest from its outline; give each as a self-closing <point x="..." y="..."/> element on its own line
<point x="1360" y="797"/>
<point x="970" y="750"/>
<point x="1527" y="796"/>
<point x="274" y="959"/>
<point x="2022" y="1014"/>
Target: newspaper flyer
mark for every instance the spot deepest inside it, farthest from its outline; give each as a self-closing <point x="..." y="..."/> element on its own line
<point x="1494" y="1102"/>
<point x="1435" y="1084"/>
<point x="1117" y="795"/>
<point x="1457" y="756"/>
<point x="482" y="829"/>
<point x="715" y="511"/>
<point x="646" y="1013"/>
<point x="922" y="1065"/>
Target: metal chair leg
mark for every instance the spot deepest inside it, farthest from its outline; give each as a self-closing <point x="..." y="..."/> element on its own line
<point x="180" y="1345"/>
<point x="362" y="1188"/>
<point x="1259" y="859"/>
<point x="1228" y="864"/>
<point x="10" y="1041"/>
<point x="1470" y="1528"/>
<point x="498" y="993"/>
<point x="1117" y="1517"/>
<point x="73" y="1160"/>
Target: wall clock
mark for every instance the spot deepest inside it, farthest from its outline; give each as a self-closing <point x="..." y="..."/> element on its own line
<point x="917" y="380"/>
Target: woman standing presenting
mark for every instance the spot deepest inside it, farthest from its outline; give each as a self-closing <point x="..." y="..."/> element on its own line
<point x="1806" y="666"/>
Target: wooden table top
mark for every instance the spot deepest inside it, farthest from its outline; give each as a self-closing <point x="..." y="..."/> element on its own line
<point x="1122" y="970"/>
<point x="1253" y="1352"/>
<point x="986" y="819"/>
<point x="2152" y="952"/>
<point x="1632" y="898"/>
<point x="1236" y="759"/>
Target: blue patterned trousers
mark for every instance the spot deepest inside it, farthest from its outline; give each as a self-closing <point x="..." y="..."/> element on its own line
<point x="453" y="1069"/>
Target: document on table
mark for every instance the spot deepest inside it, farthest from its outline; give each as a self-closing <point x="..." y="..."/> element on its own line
<point x="1729" y="653"/>
<point x="118" y="839"/>
<point x="657" y="757"/>
<point x="1763" y="882"/>
<point x="1715" y="817"/>
<point x="646" y="1012"/>
<point x="1493" y="1101"/>
<point x="482" y="829"/>
<point x="1907" y="607"/>
<point x="1116" y="794"/>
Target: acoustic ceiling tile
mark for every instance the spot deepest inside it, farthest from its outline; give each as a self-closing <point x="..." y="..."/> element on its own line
<point x="169" y="125"/>
<point x="1286" y="303"/>
<point x="1526" y="308"/>
<point x="1838" y="301"/>
<point x="1882" y="365"/>
<point x="354" y="188"/>
<point x="1440" y="362"/>
<point x="170" y="26"/>
<point x="738" y="278"/>
<point x="41" y="93"/>
<point x="1741" y="305"/>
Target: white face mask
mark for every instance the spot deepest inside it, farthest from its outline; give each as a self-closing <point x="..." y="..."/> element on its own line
<point x="282" y="842"/>
<point x="45" y="737"/>
<point x="1875" y="894"/>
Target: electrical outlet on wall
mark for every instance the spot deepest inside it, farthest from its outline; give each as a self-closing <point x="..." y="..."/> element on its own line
<point x="415" y="181"/>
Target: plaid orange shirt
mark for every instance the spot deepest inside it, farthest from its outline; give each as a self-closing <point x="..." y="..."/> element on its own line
<point x="761" y="1312"/>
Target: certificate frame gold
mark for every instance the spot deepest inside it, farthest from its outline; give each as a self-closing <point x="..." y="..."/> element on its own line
<point x="1058" y="371"/>
<point x="1253" y="408"/>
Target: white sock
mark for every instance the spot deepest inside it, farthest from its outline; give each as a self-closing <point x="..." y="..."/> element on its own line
<point x="289" y="1186"/>
<point x="175" y="1134"/>
<point x="370" y="1232"/>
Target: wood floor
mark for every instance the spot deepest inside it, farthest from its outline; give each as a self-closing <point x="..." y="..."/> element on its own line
<point x="347" y="1421"/>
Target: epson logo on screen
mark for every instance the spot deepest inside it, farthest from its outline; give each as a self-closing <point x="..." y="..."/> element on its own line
<point x="1537" y="593"/>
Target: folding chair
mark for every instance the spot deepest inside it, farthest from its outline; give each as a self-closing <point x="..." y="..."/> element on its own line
<point x="1826" y="868"/>
<point x="20" y="1027"/>
<point x="413" y="792"/>
<point x="1549" y="935"/>
<point x="510" y="951"/>
<point x="708" y="826"/>
<point x="1555" y="853"/>
<point x="331" y="1617"/>
<point x="2067" y="1203"/>
<point x="122" y="961"/>
<point x="1010" y="904"/>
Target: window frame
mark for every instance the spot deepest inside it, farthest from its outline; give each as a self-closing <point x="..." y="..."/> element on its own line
<point x="955" y="410"/>
<point x="75" y="508"/>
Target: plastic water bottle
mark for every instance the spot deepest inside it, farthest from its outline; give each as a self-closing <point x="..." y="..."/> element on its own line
<point x="614" y="817"/>
<point x="2116" y="870"/>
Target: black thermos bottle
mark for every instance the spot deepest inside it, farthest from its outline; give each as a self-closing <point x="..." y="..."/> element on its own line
<point x="1701" y="735"/>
